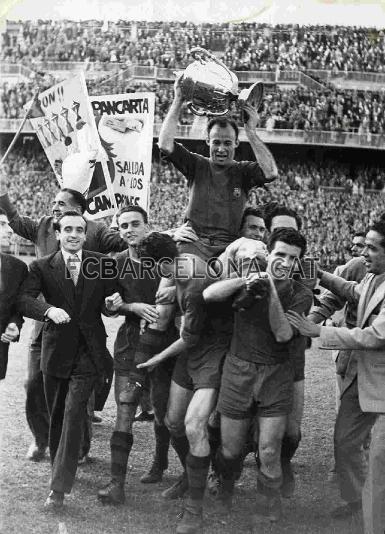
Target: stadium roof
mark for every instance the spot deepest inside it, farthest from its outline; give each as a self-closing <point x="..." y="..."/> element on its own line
<point x="367" y="13"/>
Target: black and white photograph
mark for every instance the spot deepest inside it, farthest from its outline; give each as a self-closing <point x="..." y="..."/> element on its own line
<point x="192" y="267"/>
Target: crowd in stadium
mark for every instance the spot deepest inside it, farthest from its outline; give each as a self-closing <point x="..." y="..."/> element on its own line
<point x="239" y="355"/>
<point x="247" y="46"/>
<point x="299" y="109"/>
<point x="300" y="186"/>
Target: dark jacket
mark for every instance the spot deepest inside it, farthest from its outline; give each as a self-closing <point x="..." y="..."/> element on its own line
<point x="84" y="304"/>
<point x="12" y="274"/>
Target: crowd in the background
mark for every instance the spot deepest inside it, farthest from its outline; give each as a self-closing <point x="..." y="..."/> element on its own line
<point x="246" y="46"/>
<point x="299" y="109"/>
<point x="329" y="215"/>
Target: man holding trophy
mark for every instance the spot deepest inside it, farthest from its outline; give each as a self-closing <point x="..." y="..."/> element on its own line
<point x="218" y="185"/>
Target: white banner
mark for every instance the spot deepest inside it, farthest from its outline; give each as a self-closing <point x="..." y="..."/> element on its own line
<point x="67" y="131"/>
<point x="125" y="124"/>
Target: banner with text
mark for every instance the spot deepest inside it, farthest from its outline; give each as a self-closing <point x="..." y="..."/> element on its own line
<point x="125" y="123"/>
<point x="64" y="123"/>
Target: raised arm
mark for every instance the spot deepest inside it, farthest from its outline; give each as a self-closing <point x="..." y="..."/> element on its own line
<point x="262" y="154"/>
<point x="170" y="123"/>
<point x="22" y="226"/>
<point x="346" y="290"/>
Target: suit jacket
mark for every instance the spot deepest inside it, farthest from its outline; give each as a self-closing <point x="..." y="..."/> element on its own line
<point x="13" y="272"/>
<point x="41" y="232"/>
<point x="329" y="304"/>
<point x="84" y="304"/>
<point x="367" y="340"/>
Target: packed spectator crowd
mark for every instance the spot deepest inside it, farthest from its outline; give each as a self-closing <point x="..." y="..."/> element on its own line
<point x="245" y="46"/>
<point x="328" y="109"/>
<point x="330" y="215"/>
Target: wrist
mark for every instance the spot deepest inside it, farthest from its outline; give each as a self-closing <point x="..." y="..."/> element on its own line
<point x="177" y="102"/>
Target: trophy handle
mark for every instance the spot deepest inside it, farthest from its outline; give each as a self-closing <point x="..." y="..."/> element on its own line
<point x="200" y="113"/>
<point x="195" y="110"/>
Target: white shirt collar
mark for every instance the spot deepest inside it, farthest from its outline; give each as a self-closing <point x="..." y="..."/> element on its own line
<point x="66" y="255"/>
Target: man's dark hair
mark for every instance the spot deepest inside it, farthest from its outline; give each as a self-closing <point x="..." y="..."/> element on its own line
<point x="222" y="123"/>
<point x="255" y="212"/>
<point x="359" y="234"/>
<point x="158" y="246"/>
<point x="78" y="198"/>
<point x="274" y="210"/>
<point x="129" y="209"/>
<point x="288" y="236"/>
<point x="71" y="213"/>
<point x="379" y="227"/>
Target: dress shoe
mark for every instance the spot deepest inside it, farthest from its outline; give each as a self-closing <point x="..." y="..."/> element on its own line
<point x="113" y="493"/>
<point x="269" y="507"/>
<point x="288" y="480"/>
<point x="35" y="452"/>
<point x="154" y="475"/>
<point x="96" y="419"/>
<point x="55" y="500"/>
<point x="192" y="518"/>
<point x="347" y="510"/>
<point x="144" y="416"/>
<point x="178" y="489"/>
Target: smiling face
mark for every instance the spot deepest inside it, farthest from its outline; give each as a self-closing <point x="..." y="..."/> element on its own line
<point x="374" y="252"/>
<point x="253" y="228"/>
<point x="63" y="202"/>
<point x="281" y="259"/>
<point x="72" y="233"/>
<point x="222" y="143"/>
<point x="132" y="227"/>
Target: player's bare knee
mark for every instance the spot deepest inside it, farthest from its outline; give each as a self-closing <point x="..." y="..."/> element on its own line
<point x="196" y="429"/>
<point x="269" y="452"/>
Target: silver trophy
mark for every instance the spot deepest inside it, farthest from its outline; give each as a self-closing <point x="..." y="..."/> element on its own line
<point x="209" y="87"/>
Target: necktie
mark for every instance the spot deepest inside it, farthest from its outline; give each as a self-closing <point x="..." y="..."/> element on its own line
<point x="73" y="266"/>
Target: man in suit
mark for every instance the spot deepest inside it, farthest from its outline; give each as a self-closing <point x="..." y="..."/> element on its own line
<point x="42" y="234"/>
<point x="76" y="290"/>
<point x="362" y="406"/>
<point x="12" y="274"/>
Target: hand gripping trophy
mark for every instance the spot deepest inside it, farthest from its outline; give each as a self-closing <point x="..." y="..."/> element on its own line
<point x="209" y="87"/>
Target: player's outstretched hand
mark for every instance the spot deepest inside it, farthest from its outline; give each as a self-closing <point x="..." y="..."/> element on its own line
<point x="145" y="311"/>
<point x="152" y="362"/>
<point x="165" y="295"/>
<point x="185" y="234"/>
<point x="303" y="325"/>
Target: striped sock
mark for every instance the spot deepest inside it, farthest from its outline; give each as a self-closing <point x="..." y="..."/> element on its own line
<point x="121" y="443"/>
<point x="197" y="470"/>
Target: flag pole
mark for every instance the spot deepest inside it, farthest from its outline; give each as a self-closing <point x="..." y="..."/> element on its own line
<point x="16" y="136"/>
